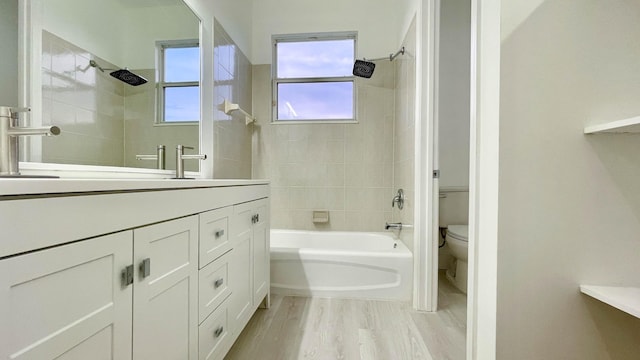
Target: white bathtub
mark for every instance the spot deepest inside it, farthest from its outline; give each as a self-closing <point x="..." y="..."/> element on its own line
<point x="340" y="264"/>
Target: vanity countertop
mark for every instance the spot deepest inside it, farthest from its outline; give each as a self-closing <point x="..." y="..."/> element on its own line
<point x="10" y="188"/>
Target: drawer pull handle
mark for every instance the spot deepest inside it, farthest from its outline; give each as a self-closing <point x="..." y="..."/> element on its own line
<point x="218" y="331"/>
<point x="219" y="233"/>
<point x="218" y="283"/>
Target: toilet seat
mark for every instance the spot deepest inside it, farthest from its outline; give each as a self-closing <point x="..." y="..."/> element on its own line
<point x="458" y="232"/>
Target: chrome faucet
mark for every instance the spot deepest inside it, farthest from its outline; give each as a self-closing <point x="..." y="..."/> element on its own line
<point x="9" y="133"/>
<point x="159" y="157"/>
<point x="180" y="157"/>
<point x="395" y="226"/>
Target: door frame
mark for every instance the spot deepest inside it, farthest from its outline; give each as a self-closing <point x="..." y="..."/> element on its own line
<point x="426" y="185"/>
<point x="483" y="179"/>
<point x="483" y="171"/>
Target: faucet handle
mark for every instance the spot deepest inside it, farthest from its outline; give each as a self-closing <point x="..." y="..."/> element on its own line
<point x="399" y="199"/>
<point x="15" y="111"/>
<point x="180" y="157"/>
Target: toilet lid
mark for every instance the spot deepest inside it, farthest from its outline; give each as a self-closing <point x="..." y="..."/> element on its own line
<point x="460" y="232"/>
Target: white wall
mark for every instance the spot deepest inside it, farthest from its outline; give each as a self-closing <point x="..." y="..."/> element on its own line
<point x="569" y="207"/>
<point x="9" y="53"/>
<point x="122" y="34"/>
<point x="453" y="92"/>
<point x="92" y="25"/>
<point x="378" y="22"/>
<point x="236" y="18"/>
<point x="404" y="130"/>
<point x="146" y="25"/>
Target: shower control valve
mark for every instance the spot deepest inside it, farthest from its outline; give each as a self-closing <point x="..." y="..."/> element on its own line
<point x="398" y="199"/>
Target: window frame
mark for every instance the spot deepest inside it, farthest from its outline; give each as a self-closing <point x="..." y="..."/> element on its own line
<point x="161" y="85"/>
<point x="275" y="81"/>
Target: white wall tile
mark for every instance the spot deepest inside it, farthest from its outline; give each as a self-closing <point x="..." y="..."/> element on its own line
<point x="339" y="167"/>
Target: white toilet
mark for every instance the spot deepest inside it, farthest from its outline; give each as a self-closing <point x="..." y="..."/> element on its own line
<point x="458" y="242"/>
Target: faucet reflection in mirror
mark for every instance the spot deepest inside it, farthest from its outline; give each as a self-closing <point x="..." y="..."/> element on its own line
<point x="159" y="157"/>
<point x="9" y="139"/>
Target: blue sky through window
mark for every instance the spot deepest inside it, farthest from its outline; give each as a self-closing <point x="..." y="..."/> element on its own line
<point x="325" y="100"/>
<point x="315" y="58"/>
<point x="182" y="64"/>
<point x="181" y="104"/>
<point x="315" y="100"/>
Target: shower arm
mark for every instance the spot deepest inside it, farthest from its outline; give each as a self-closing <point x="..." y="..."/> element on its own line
<point x="391" y="57"/>
<point x="94" y="64"/>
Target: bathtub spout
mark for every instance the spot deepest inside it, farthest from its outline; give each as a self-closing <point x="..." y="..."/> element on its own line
<point x="395" y="226"/>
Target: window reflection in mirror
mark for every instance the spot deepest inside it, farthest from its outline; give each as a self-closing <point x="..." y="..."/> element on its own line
<point x="178" y="82"/>
<point x="106" y="121"/>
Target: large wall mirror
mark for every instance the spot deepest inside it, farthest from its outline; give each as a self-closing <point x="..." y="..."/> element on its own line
<point x="119" y="77"/>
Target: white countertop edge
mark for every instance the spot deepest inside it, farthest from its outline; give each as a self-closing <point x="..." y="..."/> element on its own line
<point x="13" y="187"/>
<point x="626" y="299"/>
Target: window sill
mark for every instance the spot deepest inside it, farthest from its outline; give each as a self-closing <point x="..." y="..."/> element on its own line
<point x="192" y="123"/>
<point x="310" y="122"/>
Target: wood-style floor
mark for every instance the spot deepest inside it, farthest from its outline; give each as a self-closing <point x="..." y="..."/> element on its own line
<point x="327" y="329"/>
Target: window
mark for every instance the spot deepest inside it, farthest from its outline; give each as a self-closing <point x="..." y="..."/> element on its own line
<point x="312" y="77"/>
<point x="178" y="82"/>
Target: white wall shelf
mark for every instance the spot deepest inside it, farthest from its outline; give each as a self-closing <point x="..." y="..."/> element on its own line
<point x="631" y="125"/>
<point x="626" y="299"/>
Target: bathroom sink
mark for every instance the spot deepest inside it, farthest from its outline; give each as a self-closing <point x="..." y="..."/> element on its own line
<point x="29" y="177"/>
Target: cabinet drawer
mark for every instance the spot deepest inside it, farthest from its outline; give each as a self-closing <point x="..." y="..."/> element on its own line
<point x="213" y="285"/>
<point x="214" y="335"/>
<point x="214" y="234"/>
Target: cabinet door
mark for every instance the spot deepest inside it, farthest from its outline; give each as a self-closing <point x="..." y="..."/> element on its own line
<point x="241" y="266"/>
<point x="165" y="302"/>
<point x="261" y="250"/>
<point x="67" y="302"/>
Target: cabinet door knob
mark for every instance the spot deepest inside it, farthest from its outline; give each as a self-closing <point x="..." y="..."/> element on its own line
<point x="218" y="331"/>
<point x="219" y="233"/>
<point x="218" y="283"/>
<point x="145" y="268"/>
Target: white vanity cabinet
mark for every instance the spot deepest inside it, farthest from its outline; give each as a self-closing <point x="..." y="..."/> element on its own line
<point x="165" y="290"/>
<point x="161" y="285"/>
<point x="85" y="298"/>
<point x="68" y="301"/>
<point x="249" y="261"/>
